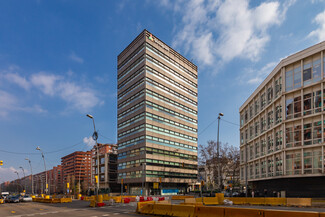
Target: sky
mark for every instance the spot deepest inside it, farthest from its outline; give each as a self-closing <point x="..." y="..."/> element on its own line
<point x="58" y="62"/>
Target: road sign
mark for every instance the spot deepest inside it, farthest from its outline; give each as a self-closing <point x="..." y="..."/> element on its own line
<point x="156" y="185"/>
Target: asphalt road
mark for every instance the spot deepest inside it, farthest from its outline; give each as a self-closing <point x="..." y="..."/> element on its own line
<point x="76" y="208"/>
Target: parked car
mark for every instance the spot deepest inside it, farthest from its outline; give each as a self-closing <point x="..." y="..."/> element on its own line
<point x="14" y="199"/>
<point x="27" y="198"/>
<point x="235" y="194"/>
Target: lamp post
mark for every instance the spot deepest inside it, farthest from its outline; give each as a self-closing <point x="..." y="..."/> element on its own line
<point x="17" y="181"/>
<point x="46" y="185"/>
<point x="95" y="137"/>
<point x="24" y="177"/>
<point x="143" y="176"/>
<point x="218" y="154"/>
<point x="31" y="173"/>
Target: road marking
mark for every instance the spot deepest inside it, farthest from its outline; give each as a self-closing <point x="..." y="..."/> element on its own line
<point x="30" y="215"/>
<point x="116" y="213"/>
<point x="106" y="215"/>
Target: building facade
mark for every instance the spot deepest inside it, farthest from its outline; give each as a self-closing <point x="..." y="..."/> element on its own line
<point x="108" y="167"/>
<point x="76" y="166"/>
<point x="157" y="118"/>
<point x="282" y="134"/>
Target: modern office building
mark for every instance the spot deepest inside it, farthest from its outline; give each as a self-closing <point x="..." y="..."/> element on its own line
<point x="282" y="129"/>
<point x="157" y="118"/>
<point x="107" y="154"/>
<point x="76" y="166"/>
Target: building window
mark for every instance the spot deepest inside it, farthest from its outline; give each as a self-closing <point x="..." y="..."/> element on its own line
<point x="263" y="169"/>
<point x="289" y="109"/>
<point x="257" y="171"/>
<point x="318" y="101"/>
<point x="251" y="152"/>
<point x="297" y="77"/>
<point x="257" y="128"/>
<point x="317" y="132"/>
<point x="251" y="174"/>
<point x="269" y="95"/>
<point x="307" y="134"/>
<point x="270" y="144"/>
<point x="269" y="119"/>
<point x="293" y="136"/>
<point x="293" y="163"/>
<point x="256" y="107"/>
<point x="257" y="150"/>
<point x="263" y="147"/>
<point x="297" y="107"/>
<point x="242" y="138"/>
<point x="278" y="140"/>
<point x="270" y="167"/>
<point x="263" y="124"/>
<point x="278" y="87"/>
<point x="289" y="80"/>
<point x="307" y="74"/>
<point x="278" y="114"/>
<point x="246" y="117"/>
<point x="241" y="120"/>
<point x="278" y="166"/>
<point x="308" y="104"/>
<point x="251" y="133"/>
<point x="262" y="101"/>
<point x="251" y="112"/>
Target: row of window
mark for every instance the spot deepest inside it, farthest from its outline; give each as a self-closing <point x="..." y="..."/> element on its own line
<point x="264" y="123"/>
<point x="170" y="60"/>
<point x="168" y="79"/>
<point x="311" y="73"/>
<point x="131" y="67"/>
<point x="296" y="163"/>
<point x="155" y="151"/>
<point x="162" y="174"/>
<point x="169" y="70"/>
<point x="154" y="162"/>
<point x="131" y="110"/>
<point x="131" y="88"/>
<point x="261" y="102"/>
<point x="131" y="56"/>
<point x="311" y="103"/>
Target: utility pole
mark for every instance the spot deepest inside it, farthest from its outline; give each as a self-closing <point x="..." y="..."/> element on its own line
<point x="218" y="155"/>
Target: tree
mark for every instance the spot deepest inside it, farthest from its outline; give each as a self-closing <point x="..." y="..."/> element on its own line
<point x="229" y="163"/>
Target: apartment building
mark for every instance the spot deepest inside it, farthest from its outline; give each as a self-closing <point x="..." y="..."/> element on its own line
<point x="157" y="118"/>
<point x="282" y="128"/>
<point x="107" y="154"/>
<point x="76" y="166"/>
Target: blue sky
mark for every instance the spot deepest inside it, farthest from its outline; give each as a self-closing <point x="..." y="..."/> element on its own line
<point x="58" y="63"/>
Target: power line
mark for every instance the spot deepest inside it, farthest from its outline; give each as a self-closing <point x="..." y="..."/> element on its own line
<point x="230" y="122"/>
<point x="207" y="127"/>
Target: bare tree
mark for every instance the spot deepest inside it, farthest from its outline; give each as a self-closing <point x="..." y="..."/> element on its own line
<point x="229" y="162"/>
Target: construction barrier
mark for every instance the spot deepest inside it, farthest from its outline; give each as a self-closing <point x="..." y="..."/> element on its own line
<point x="274" y="201"/>
<point x="242" y="212"/>
<point x="221" y="197"/>
<point x="237" y="200"/>
<point x="141" y="205"/>
<point x="210" y="201"/>
<point x="162" y="209"/>
<point x="285" y="213"/>
<point x="51" y="200"/>
<point x="147" y="208"/>
<point x="208" y="211"/>
<point x="190" y="200"/>
<point x="181" y="197"/>
<point x="298" y="201"/>
<point x="183" y="210"/>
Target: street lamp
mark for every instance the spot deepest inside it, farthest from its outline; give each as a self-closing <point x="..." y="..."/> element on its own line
<point x="95" y="137"/>
<point x="24" y="177"/>
<point x="218" y="154"/>
<point x="17" y="180"/>
<point x="31" y="172"/>
<point x="46" y="185"/>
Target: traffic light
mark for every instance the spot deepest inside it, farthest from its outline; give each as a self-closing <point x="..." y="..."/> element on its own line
<point x="1" y="162"/>
<point x="202" y="183"/>
<point x="96" y="179"/>
<point x="68" y="185"/>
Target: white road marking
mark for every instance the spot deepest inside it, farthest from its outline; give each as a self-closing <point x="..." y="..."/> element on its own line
<point x="30" y="215"/>
<point x="106" y="215"/>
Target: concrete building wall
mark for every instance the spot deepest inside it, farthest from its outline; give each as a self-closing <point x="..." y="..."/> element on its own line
<point x="282" y="123"/>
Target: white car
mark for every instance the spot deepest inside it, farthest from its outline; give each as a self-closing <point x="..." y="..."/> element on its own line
<point x="27" y="198"/>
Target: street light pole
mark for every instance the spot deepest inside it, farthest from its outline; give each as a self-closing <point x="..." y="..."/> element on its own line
<point x="95" y="137"/>
<point x="17" y="181"/>
<point x="218" y="154"/>
<point x="24" y="177"/>
<point x="46" y="185"/>
<point x="31" y="172"/>
<point x="143" y="176"/>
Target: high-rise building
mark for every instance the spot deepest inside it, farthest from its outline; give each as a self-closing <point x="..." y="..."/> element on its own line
<point x="157" y="118"/>
<point x="282" y="128"/>
<point x="75" y="167"/>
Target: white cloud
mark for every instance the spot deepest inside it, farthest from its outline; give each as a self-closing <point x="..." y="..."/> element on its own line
<point x="89" y="141"/>
<point x="17" y="79"/>
<point x="46" y="82"/>
<point x="319" y="33"/>
<point x="215" y="32"/>
<point x="75" y="58"/>
<point x="8" y="174"/>
<point x="256" y="76"/>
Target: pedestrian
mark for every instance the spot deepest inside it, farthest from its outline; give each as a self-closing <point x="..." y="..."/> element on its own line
<point x="253" y="194"/>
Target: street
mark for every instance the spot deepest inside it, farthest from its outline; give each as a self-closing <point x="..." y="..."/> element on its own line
<point x="76" y="208"/>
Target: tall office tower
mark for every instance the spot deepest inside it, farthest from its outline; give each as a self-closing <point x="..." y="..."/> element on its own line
<point x="157" y="118"/>
<point x="282" y="128"/>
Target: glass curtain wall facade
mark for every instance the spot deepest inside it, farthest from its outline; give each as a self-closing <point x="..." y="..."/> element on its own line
<point x="286" y="144"/>
<point x="157" y="118"/>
